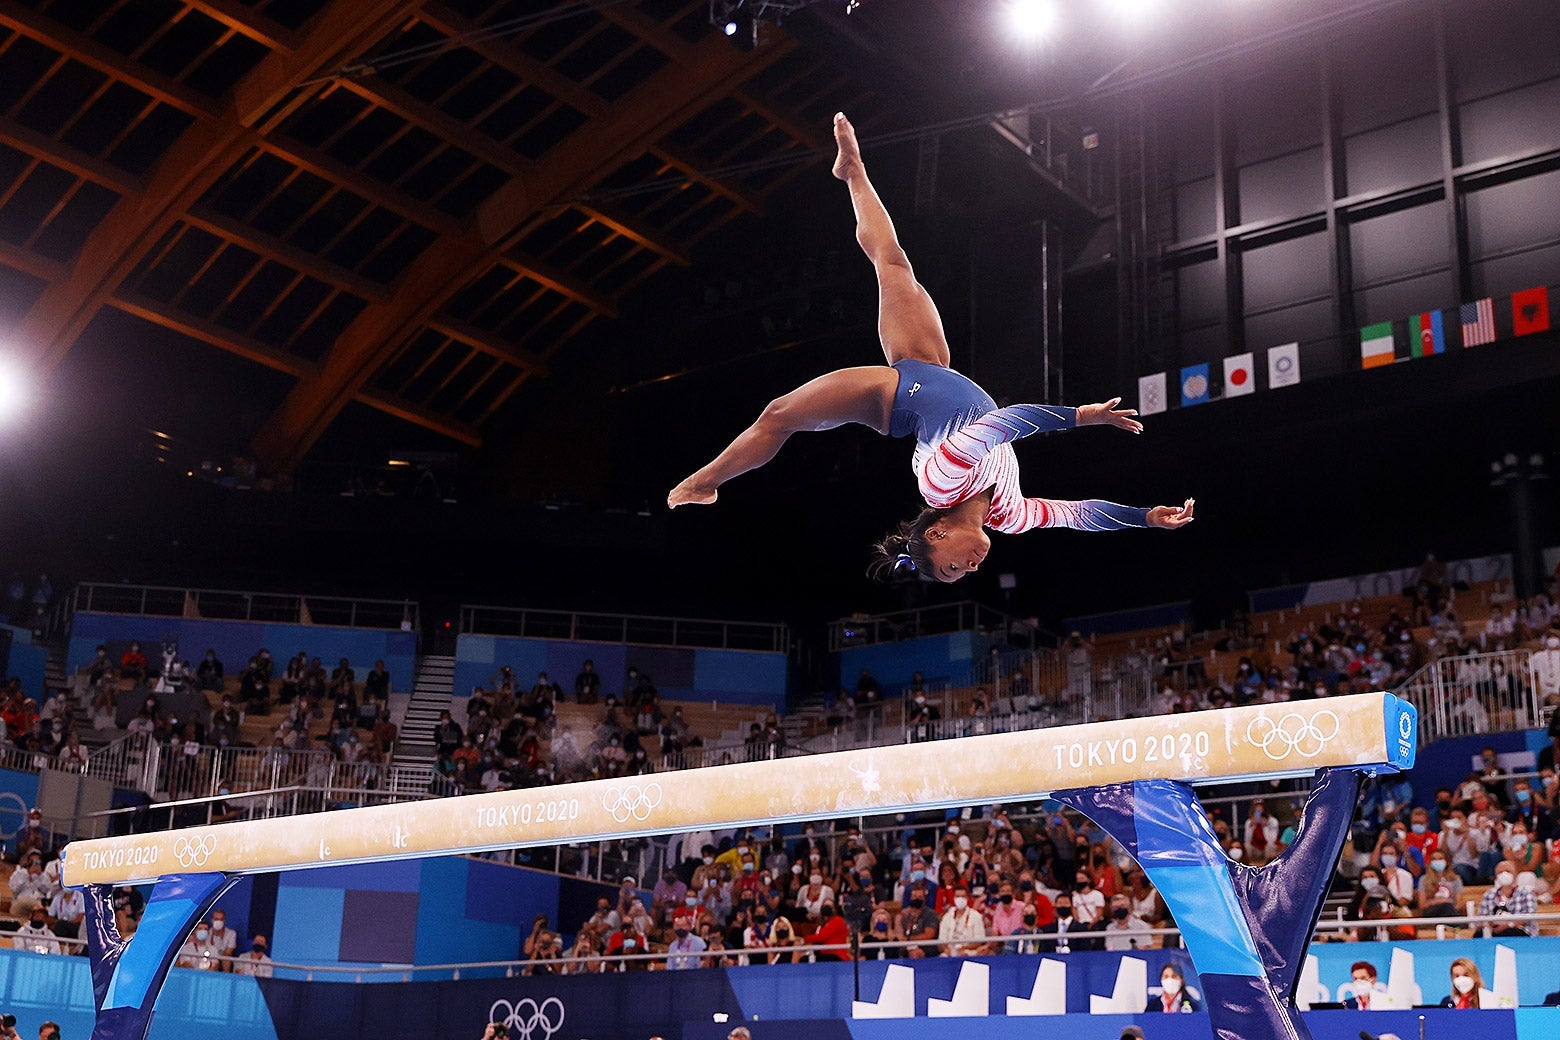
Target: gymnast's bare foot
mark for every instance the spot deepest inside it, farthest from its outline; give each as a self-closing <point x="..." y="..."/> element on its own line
<point x="691" y="493"/>
<point x="848" y="163"/>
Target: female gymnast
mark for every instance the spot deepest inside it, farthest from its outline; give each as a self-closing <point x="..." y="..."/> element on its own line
<point x="964" y="460"/>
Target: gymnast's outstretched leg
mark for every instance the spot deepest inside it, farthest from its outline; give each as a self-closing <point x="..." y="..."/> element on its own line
<point x="908" y="323"/>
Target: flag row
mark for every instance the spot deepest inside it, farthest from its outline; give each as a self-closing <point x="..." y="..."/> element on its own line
<point x="1423" y="335"/>
<point x="1418" y="335"/>
<point x="1240" y="378"/>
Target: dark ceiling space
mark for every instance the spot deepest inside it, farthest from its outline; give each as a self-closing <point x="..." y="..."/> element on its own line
<point x="568" y="250"/>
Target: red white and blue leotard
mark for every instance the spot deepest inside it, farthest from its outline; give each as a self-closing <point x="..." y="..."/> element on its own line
<point x="964" y="446"/>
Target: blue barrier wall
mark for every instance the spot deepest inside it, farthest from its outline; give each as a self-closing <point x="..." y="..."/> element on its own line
<point x="236" y="642"/>
<point x="733" y="676"/>
<point x="18" y="793"/>
<point x="26" y="662"/>
<point x="942" y="658"/>
<point x="1129" y="620"/>
<point x="448" y="910"/>
<point x="38" y="989"/>
<point x="1446" y="762"/>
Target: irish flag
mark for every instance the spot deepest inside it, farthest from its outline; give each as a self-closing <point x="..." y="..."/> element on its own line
<point x="1376" y="344"/>
<point x="1426" y="335"/>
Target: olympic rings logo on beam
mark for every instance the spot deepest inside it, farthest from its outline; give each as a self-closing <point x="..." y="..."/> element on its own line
<point x="630" y="801"/>
<point x="193" y="852"/>
<point x="1293" y="734"/>
<point x="528" y="1020"/>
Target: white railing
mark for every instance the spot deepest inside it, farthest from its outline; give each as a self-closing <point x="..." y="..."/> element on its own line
<point x="1476" y="693"/>
<point x="230" y="605"/>
<point x="964" y="616"/>
<point x="645" y="630"/>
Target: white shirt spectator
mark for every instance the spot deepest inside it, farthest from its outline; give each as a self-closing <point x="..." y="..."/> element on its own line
<point x="197" y="952"/>
<point x="223" y="940"/>
<point x="1088" y="906"/>
<point x="812" y="899"/>
<point x="1400" y="883"/>
<point x="35" y="937"/>
<point x="1468" y="715"/>
<point x="961" y="925"/>
<point x="68" y="905"/>
<point x="1501" y="625"/>
<point x="28" y="889"/>
<point x="1130" y="934"/>
<point x="683" y="953"/>
<point x="254" y="963"/>
<point x="1546" y="668"/>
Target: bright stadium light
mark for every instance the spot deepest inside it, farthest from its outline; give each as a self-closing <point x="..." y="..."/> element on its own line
<point x="1031" y="19"/>
<point x="1132" y="12"/>
<point x="14" y="391"/>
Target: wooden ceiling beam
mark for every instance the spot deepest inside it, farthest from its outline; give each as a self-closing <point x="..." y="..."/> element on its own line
<point x="285" y="253"/>
<point x="29" y="262"/>
<point x="560" y="281"/>
<point x="190" y="166"/>
<point x="588" y="155"/>
<point x="212" y="334"/>
<point x="637" y="231"/>
<point x="693" y="167"/>
<point x="487" y="343"/>
<point x="358" y="182"/>
<point x="247" y="22"/>
<point x="381" y="92"/>
<point x="71" y="160"/>
<point x="94" y="55"/>
<point x="514" y="60"/>
<point x="419" y="415"/>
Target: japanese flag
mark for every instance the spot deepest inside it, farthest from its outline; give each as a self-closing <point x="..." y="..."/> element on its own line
<point x="1238" y="375"/>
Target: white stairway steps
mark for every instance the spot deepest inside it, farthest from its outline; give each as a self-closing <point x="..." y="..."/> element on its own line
<point x="432" y="692"/>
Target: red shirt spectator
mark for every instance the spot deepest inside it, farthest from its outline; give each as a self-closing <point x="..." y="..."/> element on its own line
<point x="832" y="932"/>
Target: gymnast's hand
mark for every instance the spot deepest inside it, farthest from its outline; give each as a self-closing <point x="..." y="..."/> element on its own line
<point x="1108" y="414"/>
<point x="1171" y="517"/>
<point x="691" y="492"/>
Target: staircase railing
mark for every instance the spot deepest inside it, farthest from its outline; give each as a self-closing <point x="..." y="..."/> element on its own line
<point x="1476" y="693"/>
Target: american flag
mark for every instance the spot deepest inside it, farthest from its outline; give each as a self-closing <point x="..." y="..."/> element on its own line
<point x="1478" y="322"/>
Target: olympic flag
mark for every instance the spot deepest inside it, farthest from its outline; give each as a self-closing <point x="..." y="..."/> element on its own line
<point x="1371" y="731"/>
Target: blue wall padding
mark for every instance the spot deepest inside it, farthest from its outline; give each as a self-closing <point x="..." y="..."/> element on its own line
<point x="236" y="641"/>
<point x="1131" y="620"/>
<point x="738" y="676"/>
<point x="948" y="657"/>
<point x="308" y="924"/>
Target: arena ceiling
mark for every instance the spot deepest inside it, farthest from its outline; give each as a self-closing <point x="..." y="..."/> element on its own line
<point x="415" y="204"/>
<point x="383" y="200"/>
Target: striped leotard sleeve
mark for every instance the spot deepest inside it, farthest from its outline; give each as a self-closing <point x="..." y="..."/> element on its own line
<point x="952" y="471"/>
<point x="1014" y="514"/>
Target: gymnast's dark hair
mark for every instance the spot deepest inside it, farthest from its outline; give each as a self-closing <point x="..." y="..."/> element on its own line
<point x="905" y="550"/>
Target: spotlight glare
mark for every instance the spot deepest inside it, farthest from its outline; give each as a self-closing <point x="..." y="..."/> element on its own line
<point x="731" y="28"/>
<point x="1031" y="19"/>
<point x="13" y="391"/>
<point x="1132" y="10"/>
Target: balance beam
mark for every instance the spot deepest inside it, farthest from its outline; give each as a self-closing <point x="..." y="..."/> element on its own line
<point x="1372" y="732"/>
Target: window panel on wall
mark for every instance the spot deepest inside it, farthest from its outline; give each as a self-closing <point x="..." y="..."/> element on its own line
<point x="1386" y="73"/>
<point x="1508" y="274"/>
<point x="1288" y="186"/>
<point x="1399" y="245"/>
<point x="1286" y="273"/>
<point x="1195" y="209"/>
<point x="1510" y="216"/>
<point x="1203" y="344"/>
<point x="1275" y="107"/>
<point x="1200" y="293"/>
<point x="1185" y="123"/>
<point x="1409" y="296"/>
<point x="1500" y="44"/>
<point x="1393" y="156"/>
<point x="1306" y="321"/>
<point x="1516" y="121"/>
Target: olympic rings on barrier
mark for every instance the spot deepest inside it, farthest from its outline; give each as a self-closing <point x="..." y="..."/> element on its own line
<point x="193" y="851"/>
<point x="528" y="1020"/>
<point x="631" y="800"/>
<point x="1293" y="734"/>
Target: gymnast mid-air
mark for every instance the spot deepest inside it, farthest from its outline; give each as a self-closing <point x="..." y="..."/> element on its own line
<point x="964" y="460"/>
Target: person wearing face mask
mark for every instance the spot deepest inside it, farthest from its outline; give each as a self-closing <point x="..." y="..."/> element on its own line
<point x="1466" y="984"/>
<point x="1507" y="898"/>
<point x="1395" y="877"/>
<point x="256" y="961"/>
<point x="1175" y="997"/>
<point x="1440" y="889"/>
<point x="832" y="932"/>
<point x="1065" y="933"/>
<point x="223" y="940"/>
<point x="962" y="927"/>
<point x="1369" y="902"/>
<point x="1123" y="931"/>
<point x="1457" y="844"/>
<point x="815" y="894"/>
<point x="627" y="941"/>
<point x="1364" y="991"/>
<point x="682" y="953"/>
<point x="1088" y="902"/>
<point x="1527" y="810"/>
<point x="878" y="935"/>
<point x="917" y="921"/>
<point x="197" y="951"/>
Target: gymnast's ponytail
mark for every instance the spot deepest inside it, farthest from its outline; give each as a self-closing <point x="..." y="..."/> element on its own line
<point x="905" y="551"/>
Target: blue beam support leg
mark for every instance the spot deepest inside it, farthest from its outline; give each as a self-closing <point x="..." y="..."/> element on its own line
<point x="128" y="973"/>
<point x="1247" y="928"/>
